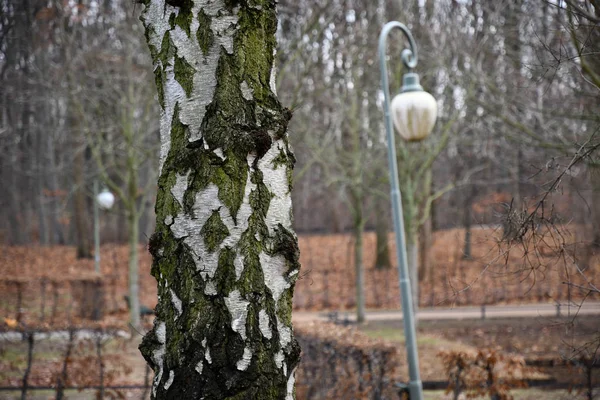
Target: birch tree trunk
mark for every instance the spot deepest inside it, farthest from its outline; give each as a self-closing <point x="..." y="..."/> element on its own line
<point x="82" y="235"/>
<point x="224" y="253"/>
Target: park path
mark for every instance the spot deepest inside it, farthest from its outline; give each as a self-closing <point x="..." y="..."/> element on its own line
<point x="589" y="308"/>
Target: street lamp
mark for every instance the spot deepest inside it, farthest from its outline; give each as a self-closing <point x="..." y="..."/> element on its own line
<point x="414" y="112"/>
<point x="105" y="201"/>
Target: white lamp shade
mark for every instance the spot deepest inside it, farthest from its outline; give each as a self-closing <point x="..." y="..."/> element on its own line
<point x="414" y="114"/>
<point x="105" y="199"/>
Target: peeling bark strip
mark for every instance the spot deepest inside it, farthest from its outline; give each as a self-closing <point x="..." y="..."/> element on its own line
<point x="224" y="253"/>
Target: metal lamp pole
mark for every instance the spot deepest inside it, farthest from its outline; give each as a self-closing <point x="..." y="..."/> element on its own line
<point x="409" y="58"/>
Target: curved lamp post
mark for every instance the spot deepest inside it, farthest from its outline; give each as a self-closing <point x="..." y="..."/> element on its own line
<point x="414" y="112"/>
<point x="105" y="201"/>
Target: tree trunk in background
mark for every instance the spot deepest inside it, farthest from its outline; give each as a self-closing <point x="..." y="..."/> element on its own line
<point x="425" y="243"/>
<point x="360" y="273"/>
<point x="382" y="260"/>
<point x="40" y="178"/>
<point x="337" y="224"/>
<point x="467" y="210"/>
<point x="122" y="228"/>
<point x="412" y="252"/>
<point x="594" y="174"/>
<point x="42" y="214"/>
<point x="467" y="207"/>
<point x="82" y="228"/>
<point x="224" y="253"/>
<point x="16" y="216"/>
<point x="56" y="228"/>
<point x="467" y="247"/>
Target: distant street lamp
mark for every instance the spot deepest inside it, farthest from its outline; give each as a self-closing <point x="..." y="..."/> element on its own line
<point x="105" y="201"/>
<point x="414" y="112"/>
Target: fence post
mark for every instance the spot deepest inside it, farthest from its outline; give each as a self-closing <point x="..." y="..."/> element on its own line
<point x="100" y="363"/>
<point x="30" y="344"/>
<point x="63" y="376"/>
<point x="483" y="311"/>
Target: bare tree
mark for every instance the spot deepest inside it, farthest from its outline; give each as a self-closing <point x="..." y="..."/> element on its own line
<point x="124" y="148"/>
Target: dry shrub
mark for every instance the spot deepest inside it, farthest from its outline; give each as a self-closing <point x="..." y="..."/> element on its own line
<point x="342" y="363"/>
<point x="486" y="372"/>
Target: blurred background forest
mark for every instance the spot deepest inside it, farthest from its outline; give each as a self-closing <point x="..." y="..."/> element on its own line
<point x="517" y="85"/>
<point x="501" y="202"/>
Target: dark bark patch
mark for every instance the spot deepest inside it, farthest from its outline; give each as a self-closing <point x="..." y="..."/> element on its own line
<point x="184" y="74"/>
<point x="184" y="5"/>
<point x="231" y="179"/>
<point x="285" y="243"/>
<point x="252" y="280"/>
<point x="214" y="231"/>
<point x="260" y="198"/>
<point x="284" y="307"/>
<point x="187" y="384"/>
<point x="257" y="29"/>
<point x="166" y="205"/>
<point x="184" y="20"/>
<point x="204" y="34"/>
<point x="225" y="276"/>
<point x="167" y="50"/>
<point x="155" y="244"/>
<point x="159" y="79"/>
<point x="262" y="143"/>
<point x="147" y="346"/>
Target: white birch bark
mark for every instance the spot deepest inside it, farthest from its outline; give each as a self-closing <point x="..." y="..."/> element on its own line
<point x="225" y="256"/>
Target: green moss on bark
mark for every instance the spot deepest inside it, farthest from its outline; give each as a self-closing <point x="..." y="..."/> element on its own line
<point x="167" y="50"/>
<point x="204" y="34"/>
<point x="225" y="277"/>
<point x="214" y="231"/>
<point x="285" y="243"/>
<point x="159" y="79"/>
<point x="252" y="280"/>
<point x="231" y="178"/>
<point x="183" y="20"/>
<point x="184" y="74"/>
<point x="256" y="37"/>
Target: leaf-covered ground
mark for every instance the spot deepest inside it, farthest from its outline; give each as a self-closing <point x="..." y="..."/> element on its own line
<point x="49" y="282"/>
